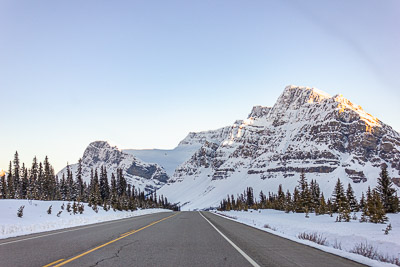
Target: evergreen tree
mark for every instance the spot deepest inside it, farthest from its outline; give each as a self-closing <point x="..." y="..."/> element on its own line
<point x="94" y="197"/>
<point x="104" y="186"/>
<point x="114" y="193"/>
<point x="362" y="201"/>
<point x="351" y="199"/>
<point x="24" y="183"/>
<point x="41" y="183"/>
<point x="63" y="188"/>
<point x="10" y="183"/>
<point x="16" y="175"/>
<point x="304" y="201"/>
<point x="288" y="202"/>
<point x="322" y="207"/>
<point x="376" y="210"/>
<point x="297" y="202"/>
<point x="263" y="200"/>
<point x="387" y="192"/>
<point x="338" y="197"/>
<point x="33" y="181"/>
<point x="79" y="182"/>
<point x="3" y="185"/>
<point x="250" y="197"/>
<point x="121" y="183"/>
<point x="281" y="199"/>
<point x="315" y="194"/>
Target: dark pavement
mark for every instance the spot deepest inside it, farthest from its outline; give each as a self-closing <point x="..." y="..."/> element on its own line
<point x="162" y="239"/>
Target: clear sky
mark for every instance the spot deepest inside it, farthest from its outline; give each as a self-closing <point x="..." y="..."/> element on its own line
<point x="142" y="74"/>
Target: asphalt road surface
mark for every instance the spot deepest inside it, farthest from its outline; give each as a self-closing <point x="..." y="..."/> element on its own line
<point x="162" y="239"/>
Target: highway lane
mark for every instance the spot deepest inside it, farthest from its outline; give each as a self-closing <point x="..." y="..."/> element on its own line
<point x="164" y="239"/>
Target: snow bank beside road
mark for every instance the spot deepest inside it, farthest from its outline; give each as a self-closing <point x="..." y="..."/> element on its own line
<point x="345" y="235"/>
<point x="35" y="218"/>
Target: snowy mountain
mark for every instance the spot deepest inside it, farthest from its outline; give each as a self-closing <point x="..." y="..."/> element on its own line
<point x="307" y="129"/>
<point x="171" y="159"/>
<point x="145" y="176"/>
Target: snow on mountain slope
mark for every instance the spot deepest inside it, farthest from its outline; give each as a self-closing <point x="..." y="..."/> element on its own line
<point x="169" y="159"/>
<point x="307" y="129"/>
<point x="172" y="158"/>
<point x="146" y="176"/>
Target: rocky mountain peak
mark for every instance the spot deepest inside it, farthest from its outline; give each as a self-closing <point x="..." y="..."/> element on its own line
<point x="306" y="130"/>
<point x="259" y="112"/>
<point x="146" y="176"/>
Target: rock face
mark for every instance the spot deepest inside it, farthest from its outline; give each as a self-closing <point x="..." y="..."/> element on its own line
<point x="307" y="129"/>
<point x="138" y="173"/>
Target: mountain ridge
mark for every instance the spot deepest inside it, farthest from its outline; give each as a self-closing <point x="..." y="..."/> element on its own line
<point x="305" y="130"/>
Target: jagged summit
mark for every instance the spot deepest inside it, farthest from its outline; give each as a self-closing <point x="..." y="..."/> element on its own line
<point x="308" y="130"/>
<point x="146" y="176"/>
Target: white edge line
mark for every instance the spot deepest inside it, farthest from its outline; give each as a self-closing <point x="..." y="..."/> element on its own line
<point x="71" y="230"/>
<point x="247" y="257"/>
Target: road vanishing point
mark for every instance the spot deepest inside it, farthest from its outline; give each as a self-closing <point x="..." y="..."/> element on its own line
<point x="163" y="239"/>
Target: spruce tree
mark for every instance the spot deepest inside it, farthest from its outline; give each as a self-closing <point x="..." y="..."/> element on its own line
<point x="24" y="182"/>
<point x="114" y="192"/>
<point x="376" y="209"/>
<point x="351" y="199"/>
<point x="305" y="194"/>
<point x="16" y="175"/>
<point x="281" y="199"/>
<point x="10" y="183"/>
<point x="338" y="196"/>
<point x="322" y="207"/>
<point x="3" y="185"/>
<point x="387" y="192"/>
<point x="104" y="186"/>
<point x="79" y="182"/>
<point x="33" y="180"/>
<point x="297" y="201"/>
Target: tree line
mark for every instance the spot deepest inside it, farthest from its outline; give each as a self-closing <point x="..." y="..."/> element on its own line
<point x="40" y="183"/>
<point x="307" y="198"/>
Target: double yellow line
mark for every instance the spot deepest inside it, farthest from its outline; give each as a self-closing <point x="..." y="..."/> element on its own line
<point x="61" y="262"/>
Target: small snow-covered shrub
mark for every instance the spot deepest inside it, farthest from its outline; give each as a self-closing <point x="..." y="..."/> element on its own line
<point x="388" y="228"/>
<point x="337" y="244"/>
<point x="49" y="210"/>
<point x="369" y="251"/>
<point x="313" y="237"/>
<point x="20" y="211"/>
<point x="269" y="227"/>
<point x="365" y="250"/>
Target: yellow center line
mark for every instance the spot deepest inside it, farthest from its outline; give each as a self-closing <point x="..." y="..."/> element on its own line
<point x="112" y="241"/>
<point x="54" y="262"/>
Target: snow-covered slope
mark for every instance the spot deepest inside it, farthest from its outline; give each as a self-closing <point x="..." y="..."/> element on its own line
<point x="146" y="176"/>
<point x="170" y="159"/>
<point x="307" y="129"/>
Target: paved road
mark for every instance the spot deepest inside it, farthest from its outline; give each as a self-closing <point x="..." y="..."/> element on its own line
<point x="163" y="239"/>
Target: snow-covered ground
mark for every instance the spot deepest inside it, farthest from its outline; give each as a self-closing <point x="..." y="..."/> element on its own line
<point x="35" y="218"/>
<point x="343" y="235"/>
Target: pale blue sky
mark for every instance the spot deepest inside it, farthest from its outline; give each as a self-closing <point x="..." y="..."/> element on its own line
<point x="142" y="74"/>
